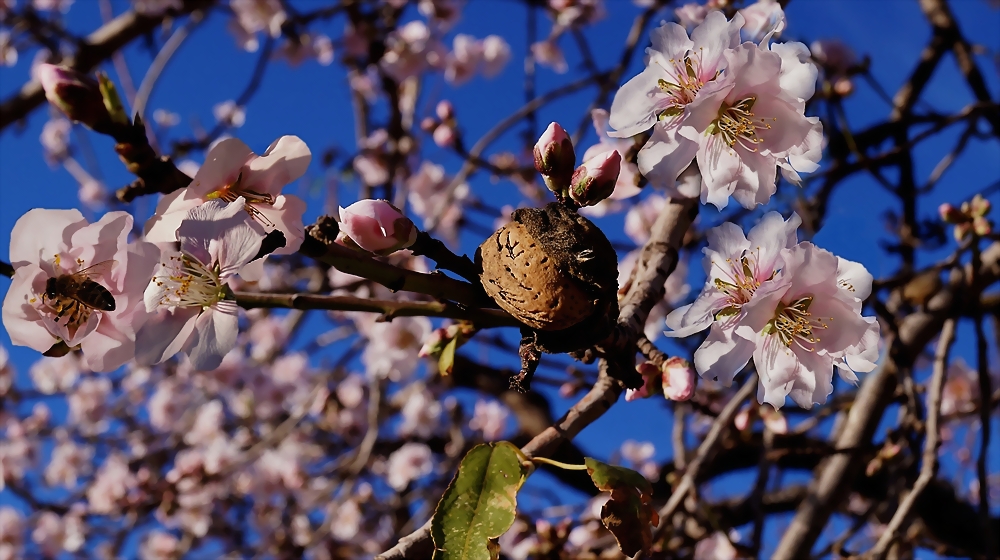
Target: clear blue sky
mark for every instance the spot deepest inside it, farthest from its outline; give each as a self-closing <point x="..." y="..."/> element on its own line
<point x="312" y="102"/>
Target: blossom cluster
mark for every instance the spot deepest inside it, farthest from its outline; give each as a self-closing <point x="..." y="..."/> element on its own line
<point x="735" y="108"/>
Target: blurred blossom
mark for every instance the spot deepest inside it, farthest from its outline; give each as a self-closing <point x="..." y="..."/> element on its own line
<point x="408" y="463"/>
<point x="165" y="118"/>
<point x="691" y="14"/>
<point x="318" y="47"/>
<point x="640" y="455"/>
<point x="55" y="139"/>
<point x="762" y="17"/>
<point x="255" y="16"/>
<point x="577" y="12"/>
<point x="55" y="375"/>
<point x="16" y="453"/>
<point x="207" y="424"/>
<point x="8" y="54"/>
<point x="267" y="337"/>
<point x="345" y="523"/>
<point x="112" y="484"/>
<point x="52" y="5"/>
<point x="6" y="371"/>
<point x="490" y="417"/>
<point x="88" y="410"/>
<point x="370" y="163"/>
<point x="496" y="54"/>
<point x="640" y="218"/>
<point x="393" y="347"/>
<point x="156" y="7"/>
<point x="961" y="389"/>
<point x="92" y="193"/>
<point x="230" y="114"/>
<point x="444" y="13"/>
<point x="420" y="411"/>
<point x="351" y="391"/>
<point x="188" y="167"/>
<point x="68" y="463"/>
<point x="167" y="405"/>
<point x="11" y="533"/>
<point x="836" y="56"/>
<point x="366" y="83"/>
<point x="547" y="53"/>
<point x="54" y="534"/>
<point x="410" y="50"/>
<point x="715" y="547"/>
<point x="159" y="545"/>
<point x="464" y="59"/>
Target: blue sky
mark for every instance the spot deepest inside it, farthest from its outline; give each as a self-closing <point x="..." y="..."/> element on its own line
<point x="312" y="101"/>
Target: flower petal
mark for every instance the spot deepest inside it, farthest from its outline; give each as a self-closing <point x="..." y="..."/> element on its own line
<point x="634" y="107"/>
<point x="164" y="334"/>
<point x="21" y="319"/>
<point x="222" y="166"/>
<point x="723" y="354"/>
<point x="665" y="155"/>
<point x="285" y="160"/>
<point x="40" y="234"/>
<point x="214" y="336"/>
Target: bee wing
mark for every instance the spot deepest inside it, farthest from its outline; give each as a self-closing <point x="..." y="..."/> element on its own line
<point x="97" y="269"/>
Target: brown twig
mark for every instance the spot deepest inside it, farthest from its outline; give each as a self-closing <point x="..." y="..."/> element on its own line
<point x="931" y="442"/>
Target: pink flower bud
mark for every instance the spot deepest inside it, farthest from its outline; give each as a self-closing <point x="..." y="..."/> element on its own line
<point x="742" y="419"/>
<point x="444" y="135"/>
<point x="428" y="124"/>
<point x="678" y="379"/>
<point x="843" y="86"/>
<point x="75" y="94"/>
<point x="595" y="180"/>
<point x="950" y="214"/>
<point x="377" y="226"/>
<point x="445" y="110"/>
<point x="651" y="376"/>
<point x="555" y="158"/>
<point x="435" y="343"/>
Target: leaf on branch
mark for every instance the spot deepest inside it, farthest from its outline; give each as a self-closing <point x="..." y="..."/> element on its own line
<point x="479" y="505"/>
<point x="629" y="514"/>
<point x="446" y="361"/>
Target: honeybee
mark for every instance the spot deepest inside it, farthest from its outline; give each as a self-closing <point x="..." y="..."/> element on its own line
<point x="76" y="295"/>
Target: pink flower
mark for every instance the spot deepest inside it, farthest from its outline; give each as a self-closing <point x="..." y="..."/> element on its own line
<point x="677" y="70"/>
<point x="746" y="125"/>
<point x="53" y="534"/>
<point x="112" y="485"/>
<point x="159" y="546"/>
<point x="11" y="533"/>
<point x="496" y="54"/>
<point x="68" y="463"/>
<point x="255" y="16"/>
<point x="678" y="379"/>
<point x="410" y="50"/>
<point x="55" y="375"/>
<point x="230" y="114"/>
<point x="393" y="347"/>
<point x="377" y="226"/>
<point x="75" y="94"/>
<point x="408" y="463"/>
<point x="232" y="171"/>
<point x="715" y="547"/>
<point x="762" y="18"/>
<point x="420" y="411"/>
<point x="628" y="179"/>
<point x="691" y="14"/>
<point x="491" y="418"/>
<point x="55" y="139"/>
<point x="52" y="244"/>
<point x="835" y="56"/>
<point x="88" y="409"/>
<point x="555" y="158"/>
<point x="188" y="295"/>
<point x="464" y="59"/>
<point x="772" y="300"/>
<point x="547" y="53"/>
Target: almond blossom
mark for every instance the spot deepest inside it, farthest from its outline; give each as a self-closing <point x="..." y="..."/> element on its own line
<point x="628" y="178"/>
<point x="51" y="244"/>
<point x="408" y="463"/>
<point x="188" y="295"/>
<point x="781" y="303"/>
<point x="232" y="171"/>
<point x="677" y="68"/>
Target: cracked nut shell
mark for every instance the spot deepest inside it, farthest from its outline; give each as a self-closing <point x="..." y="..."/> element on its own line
<point x="536" y="268"/>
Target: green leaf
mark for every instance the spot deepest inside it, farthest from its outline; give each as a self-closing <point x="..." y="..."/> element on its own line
<point x="446" y="361"/>
<point x="629" y="514"/>
<point x="479" y="504"/>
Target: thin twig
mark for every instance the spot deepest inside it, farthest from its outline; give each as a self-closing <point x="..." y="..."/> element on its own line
<point x="932" y="441"/>
<point x="722" y="422"/>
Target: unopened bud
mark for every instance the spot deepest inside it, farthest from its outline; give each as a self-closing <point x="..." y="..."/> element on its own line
<point x="978" y="207"/>
<point x="595" y="180"/>
<point x="73" y="93"/>
<point x="444" y="135"/>
<point x="377" y="226"/>
<point x="428" y="124"/>
<point x="555" y="158"/>
<point x="435" y="343"/>
<point x="981" y="226"/>
<point x="950" y="214"/>
<point x="445" y="110"/>
<point x="678" y="379"/>
<point x="843" y="86"/>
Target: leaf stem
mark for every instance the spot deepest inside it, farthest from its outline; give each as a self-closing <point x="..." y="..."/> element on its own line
<point x="554" y="463"/>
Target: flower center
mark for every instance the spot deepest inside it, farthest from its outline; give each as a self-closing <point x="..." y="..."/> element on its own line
<point x="232" y="191"/>
<point x="738" y="125"/>
<point x="794" y="323"/>
<point x="685" y="86"/>
<point x="189" y="282"/>
<point x="739" y="281"/>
